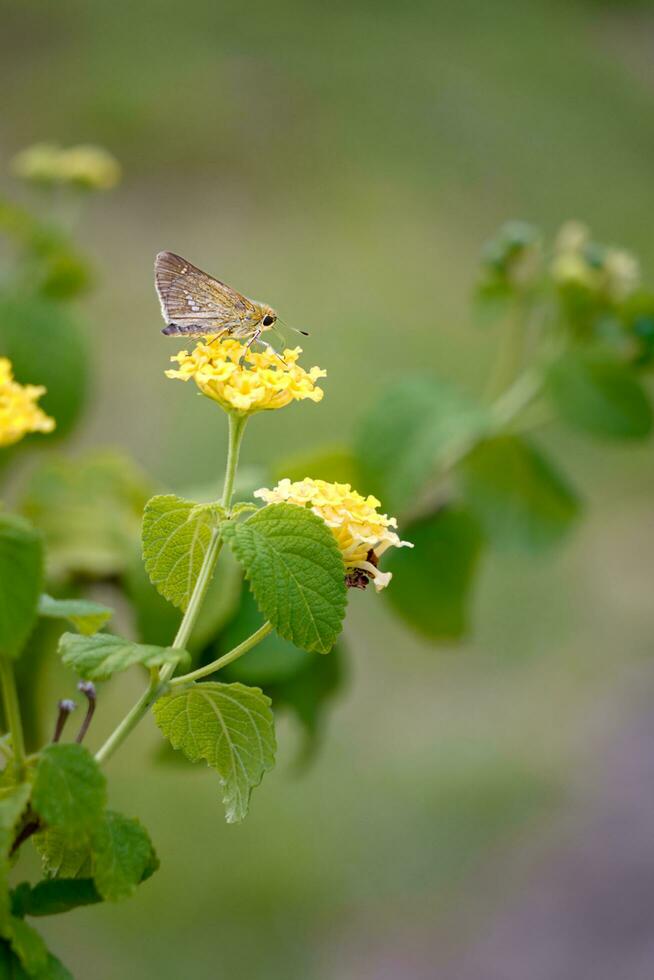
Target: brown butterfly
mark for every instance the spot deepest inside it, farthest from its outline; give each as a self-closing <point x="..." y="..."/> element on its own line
<point x="194" y="304"/>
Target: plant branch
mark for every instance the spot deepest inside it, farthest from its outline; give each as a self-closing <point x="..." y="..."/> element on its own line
<point x="227" y="658"/>
<point x="159" y="682"/>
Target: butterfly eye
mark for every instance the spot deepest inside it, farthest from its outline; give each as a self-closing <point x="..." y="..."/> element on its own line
<point x="268" y="320"/>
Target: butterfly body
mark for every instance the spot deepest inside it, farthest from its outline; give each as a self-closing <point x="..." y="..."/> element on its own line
<point x="194" y="304"/>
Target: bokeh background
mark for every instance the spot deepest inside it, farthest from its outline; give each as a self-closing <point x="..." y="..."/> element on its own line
<point x="474" y="812"/>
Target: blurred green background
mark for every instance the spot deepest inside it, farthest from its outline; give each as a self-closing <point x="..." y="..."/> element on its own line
<point x="345" y="162"/>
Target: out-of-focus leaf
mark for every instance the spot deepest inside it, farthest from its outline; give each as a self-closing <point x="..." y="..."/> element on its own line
<point x="432" y="583"/>
<point x="417" y="425"/>
<point x="335" y="464"/>
<point x="70" y="790"/>
<point x="13" y="803"/>
<point x="599" y="395"/>
<point x="54" y="896"/>
<point x="296" y="573"/>
<point x="62" y="857"/>
<point x="87" y="617"/>
<point x="47" y="347"/>
<point x="122" y="851"/>
<point x="21" y="578"/>
<point x="519" y="498"/>
<point x="89" y="510"/>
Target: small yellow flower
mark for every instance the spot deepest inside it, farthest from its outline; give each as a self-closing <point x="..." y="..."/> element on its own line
<point x="362" y="534"/>
<point x="247" y="381"/>
<point x="91" y="167"/>
<point x="19" y="413"/>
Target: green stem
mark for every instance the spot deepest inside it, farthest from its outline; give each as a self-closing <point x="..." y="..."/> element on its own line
<point x="12" y="714"/>
<point x="159" y="683"/>
<point x="129" y="722"/>
<point x="509" y="352"/>
<point x="227" y="658"/>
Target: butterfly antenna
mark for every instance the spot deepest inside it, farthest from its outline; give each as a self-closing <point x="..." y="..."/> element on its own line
<point x="304" y="333"/>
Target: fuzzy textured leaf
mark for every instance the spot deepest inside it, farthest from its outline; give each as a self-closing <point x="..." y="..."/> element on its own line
<point x="69" y="790"/>
<point x="121" y="853"/>
<point x="95" y="658"/>
<point x="87" y="617"/>
<point x="21" y="574"/>
<point x="176" y="534"/>
<point x="296" y="573"/>
<point x="230" y="726"/>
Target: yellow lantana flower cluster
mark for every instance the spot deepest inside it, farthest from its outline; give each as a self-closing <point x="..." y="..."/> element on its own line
<point x="91" y="167"/>
<point x="19" y="413"/>
<point x="245" y="380"/>
<point x="362" y="534"/>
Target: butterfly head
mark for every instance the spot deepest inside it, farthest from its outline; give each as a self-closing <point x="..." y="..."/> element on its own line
<point x="268" y="317"/>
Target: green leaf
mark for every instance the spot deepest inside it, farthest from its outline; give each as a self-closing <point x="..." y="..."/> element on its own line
<point x="176" y="534"/>
<point x="89" y="510"/>
<point x="230" y="726"/>
<point x="28" y="946"/>
<point x="54" y="896"/>
<point x="13" y="803"/>
<point x="296" y="573"/>
<point x="46" y="346"/>
<point x="600" y="395"/>
<point x="519" y="498"/>
<point x="69" y="791"/>
<point x="432" y="583"/>
<point x="122" y="851"/>
<point x="62" y="857"/>
<point x="21" y="574"/>
<point x="95" y="658"/>
<point x="416" y="425"/>
<point x="87" y="617"/>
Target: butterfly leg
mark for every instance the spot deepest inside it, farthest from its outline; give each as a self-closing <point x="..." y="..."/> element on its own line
<point x="253" y="339"/>
<point x="264" y="343"/>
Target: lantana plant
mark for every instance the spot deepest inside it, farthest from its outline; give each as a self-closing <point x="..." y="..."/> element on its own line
<point x="464" y="473"/>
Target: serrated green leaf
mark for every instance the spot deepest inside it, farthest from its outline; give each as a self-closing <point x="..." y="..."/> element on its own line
<point x="62" y="857"/>
<point x="89" y="509"/>
<point x="176" y="534"/>
<point x="21" y="575"/>
<point x="122" y="851"/>
<point x="432" y="583"/>
<point x="230" y="726"/>
<point x="296" y="573"/>
<point x="519" y="498"/>
<point x="70" y="790"/>
<point x="53" y="896"/>
<point x="416" y="425"/>
<point x="87" y="617"/>
<point x="95" y="658"/>
<point x="600" y="395"/>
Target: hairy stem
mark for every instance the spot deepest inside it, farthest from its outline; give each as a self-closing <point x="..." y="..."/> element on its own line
<point x="159" y="682"/>
<point x="12" y="714"/>
<point x="227" y="658"/>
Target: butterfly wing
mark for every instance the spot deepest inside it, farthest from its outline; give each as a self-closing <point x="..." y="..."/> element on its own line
<point x="193" y="302"/>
